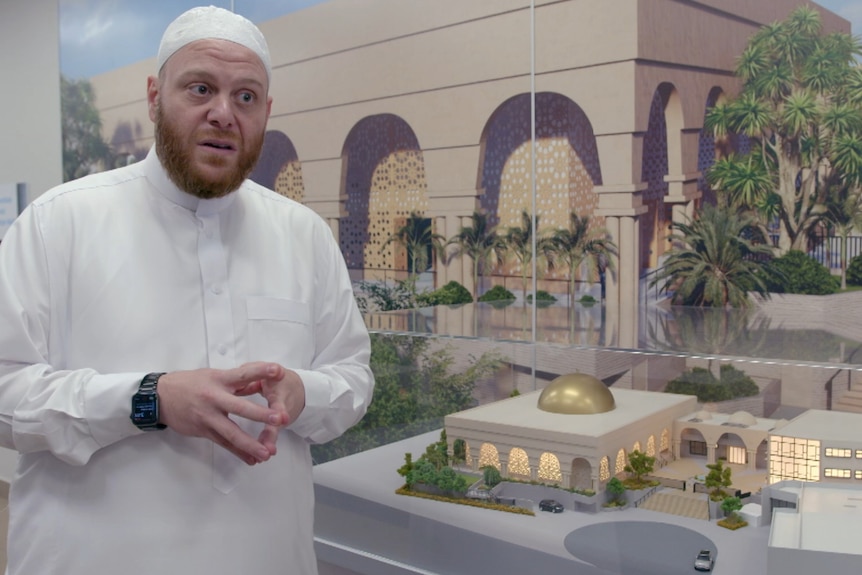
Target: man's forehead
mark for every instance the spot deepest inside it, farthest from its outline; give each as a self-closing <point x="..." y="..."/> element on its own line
<point x="213" y="23"/>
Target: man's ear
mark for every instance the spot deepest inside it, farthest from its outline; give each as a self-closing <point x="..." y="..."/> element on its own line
<point x="152" y="96"/>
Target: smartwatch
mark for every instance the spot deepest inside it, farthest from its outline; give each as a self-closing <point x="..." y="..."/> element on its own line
<point x="145" y="404"/>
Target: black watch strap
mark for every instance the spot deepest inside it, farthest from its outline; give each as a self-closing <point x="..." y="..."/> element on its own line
<point x="148" y="398"/>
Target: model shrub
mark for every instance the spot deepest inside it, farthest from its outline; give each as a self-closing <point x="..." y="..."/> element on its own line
<point x="795" y="272"/>
<point x="701" y="382"/>
<point x="452" y="293"/>
<point x="497" y="293"/>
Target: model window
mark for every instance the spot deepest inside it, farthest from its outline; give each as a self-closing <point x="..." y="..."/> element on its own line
<point x="838" y="452"/>
<point x="697" y="447"/>
<point x="857" y="474"/>
<point x="839" y="473"/>
<point x="859" y="454"/>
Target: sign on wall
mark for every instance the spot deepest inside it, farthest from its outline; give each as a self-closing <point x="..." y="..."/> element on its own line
<point x="11" y="204"/>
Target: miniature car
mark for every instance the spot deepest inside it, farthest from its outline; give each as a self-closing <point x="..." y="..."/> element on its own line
<point x="551" y="505"/>
<point x="704" y="560"/>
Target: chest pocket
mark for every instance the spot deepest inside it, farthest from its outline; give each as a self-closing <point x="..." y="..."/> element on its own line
<point x="279" y="330"/>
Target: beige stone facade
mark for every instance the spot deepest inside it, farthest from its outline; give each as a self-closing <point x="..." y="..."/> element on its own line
<point x="386" y="107"/>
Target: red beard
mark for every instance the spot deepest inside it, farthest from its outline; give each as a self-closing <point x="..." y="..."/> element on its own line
<point x="176" y="156"/>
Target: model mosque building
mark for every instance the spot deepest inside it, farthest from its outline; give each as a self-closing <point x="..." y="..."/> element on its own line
<point x="577" y="432"/>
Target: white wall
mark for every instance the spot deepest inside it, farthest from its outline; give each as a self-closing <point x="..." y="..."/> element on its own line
<point x="30" y="140"/>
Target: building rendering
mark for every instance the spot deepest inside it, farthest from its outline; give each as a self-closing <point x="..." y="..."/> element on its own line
<point x="384" y="108"/>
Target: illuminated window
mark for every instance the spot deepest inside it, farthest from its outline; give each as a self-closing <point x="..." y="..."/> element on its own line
<point x="838" y="452"/>
<point x="636" y="446"/>
<point x="650" y="446"/>
<point x="519" y="463"/>
<point x="793" y="458"/>
<point x="665" y="440"/>
<point x="859" y="454"/>
<point x="488" y="456"/>
<point x="549" y="468"/>
<point x="736" y="455"/>
<point x="604" y="469"/>
<point x="621" y="462"/>
<point x="840" y="473"/>
<point x="857" y="474"/>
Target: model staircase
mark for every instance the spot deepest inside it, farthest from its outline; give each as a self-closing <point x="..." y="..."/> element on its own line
<point x="676" y="502"/>
<point x="851" y="401"/>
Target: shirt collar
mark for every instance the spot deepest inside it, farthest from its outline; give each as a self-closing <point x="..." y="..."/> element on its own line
<point x="163" y="184"/>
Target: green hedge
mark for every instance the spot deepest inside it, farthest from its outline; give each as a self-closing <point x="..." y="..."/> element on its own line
<point x="733" y="383"/>
<point x="796" y="272"/>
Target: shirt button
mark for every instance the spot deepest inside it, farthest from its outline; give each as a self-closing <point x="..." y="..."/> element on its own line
<point x="216" y="289"/>
<point x="222" y="349"/>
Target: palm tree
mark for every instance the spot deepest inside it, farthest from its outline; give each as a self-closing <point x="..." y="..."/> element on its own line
<point x="843" y="215"/>
<point x="577" y="245"/>
<point x="519" y="241"/>
<point x="713" y="263"/>
<point x="800" y="100"/>
<point x="480" y="243"/>
<point x="416" y="237"/>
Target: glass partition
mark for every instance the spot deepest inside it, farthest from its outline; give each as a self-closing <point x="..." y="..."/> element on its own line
<point x="542" y="152"/>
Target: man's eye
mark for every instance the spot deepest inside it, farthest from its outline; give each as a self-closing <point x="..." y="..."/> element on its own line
<point x="246" y="97"/>
<point x="200" y="89"/>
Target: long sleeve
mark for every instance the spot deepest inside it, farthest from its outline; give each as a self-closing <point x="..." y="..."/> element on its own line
<point x="71" y="413"/>
<point x="339" y="384"/>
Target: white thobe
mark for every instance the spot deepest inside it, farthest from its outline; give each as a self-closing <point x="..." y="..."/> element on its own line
<point x="107" y="278"/>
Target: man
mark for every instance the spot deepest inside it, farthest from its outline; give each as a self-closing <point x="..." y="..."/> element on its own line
<point x="172" y="337"/>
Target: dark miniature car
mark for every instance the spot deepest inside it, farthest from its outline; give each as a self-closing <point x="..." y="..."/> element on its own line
<point x="551" y="505"/>
<point x="704" y="560"/>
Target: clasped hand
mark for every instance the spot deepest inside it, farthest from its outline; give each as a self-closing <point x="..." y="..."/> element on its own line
<point x="199" y="402"/>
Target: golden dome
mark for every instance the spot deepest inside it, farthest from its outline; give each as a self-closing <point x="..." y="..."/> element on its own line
<point x="576" y="393"/>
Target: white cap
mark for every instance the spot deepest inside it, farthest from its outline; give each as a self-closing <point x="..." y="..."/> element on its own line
<point x="212" y="22"/>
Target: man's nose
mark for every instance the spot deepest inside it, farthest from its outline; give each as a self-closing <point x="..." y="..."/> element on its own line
<point x="221" y="112"/>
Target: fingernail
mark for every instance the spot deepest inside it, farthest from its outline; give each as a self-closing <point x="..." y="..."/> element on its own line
<point x="275" y="419"/>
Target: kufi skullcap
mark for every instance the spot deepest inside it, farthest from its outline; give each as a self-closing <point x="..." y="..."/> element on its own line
<point x="211" y="22"/>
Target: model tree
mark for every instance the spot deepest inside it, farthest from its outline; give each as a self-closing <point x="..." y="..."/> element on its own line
<point x="438" y="453"/>
<point x="616" y="489"/>
<point x="800" y="108"/>
<point x="730" y="506"/>
<point x="639" y="464"/>
<point x="718" y="478"/>
<point x="459" y="451"/>
<point x="491" y="475"/>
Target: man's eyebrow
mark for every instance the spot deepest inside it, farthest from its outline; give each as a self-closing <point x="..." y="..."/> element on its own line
<point x="196" y="74"/>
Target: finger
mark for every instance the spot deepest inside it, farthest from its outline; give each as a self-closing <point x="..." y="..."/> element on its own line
<point x="247" y="373"/>
<point x="252" y="388"/>
<point x="252" y="411"/>
<point x="269" y="438"/>
<point x="230" y="436"/>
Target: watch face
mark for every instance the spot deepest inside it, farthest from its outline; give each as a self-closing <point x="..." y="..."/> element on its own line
<point x="145" y="410"/>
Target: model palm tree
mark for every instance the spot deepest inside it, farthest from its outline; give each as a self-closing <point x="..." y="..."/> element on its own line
<point x="581" y="245"/>
<point x="713" y="263"/>
<point x="481" y="243"/>
<point x="519" y="241"/>
<point x="416" y="237"/>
